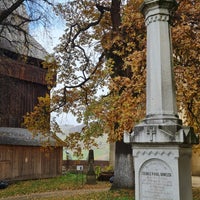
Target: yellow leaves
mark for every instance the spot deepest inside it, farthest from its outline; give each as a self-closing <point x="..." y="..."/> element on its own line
<point x="185" y="33"/>
<point x="136" y="61"/>
<point x="132" y="19"/>
<point x="73" y="142"/>
<point x="39" y="120"/>
<point x="52" y="67"/>
<point x="188" y="89"/>
<point x="117" y="83"/>
<point x="124" y="72"/>
<point x="186" y="45"/>
<point x="123" y="108"/>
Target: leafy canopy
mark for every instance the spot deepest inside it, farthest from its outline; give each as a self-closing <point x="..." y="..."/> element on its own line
<point x="101" y="61"/>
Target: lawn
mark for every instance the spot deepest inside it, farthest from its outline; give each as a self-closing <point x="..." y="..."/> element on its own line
<point x="70" y="183"/>
<point x="110" y="195"/>
<point x="65" y="182"/>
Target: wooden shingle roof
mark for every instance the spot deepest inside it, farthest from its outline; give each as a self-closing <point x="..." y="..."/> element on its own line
<point x="23" y="137"/>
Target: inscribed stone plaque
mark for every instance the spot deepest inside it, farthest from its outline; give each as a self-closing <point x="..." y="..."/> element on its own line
<point x="156" y="181"/>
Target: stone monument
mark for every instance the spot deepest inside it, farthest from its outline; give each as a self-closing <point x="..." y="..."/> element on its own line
<point x="161" y="144"/>
<point x="91" y="176"/>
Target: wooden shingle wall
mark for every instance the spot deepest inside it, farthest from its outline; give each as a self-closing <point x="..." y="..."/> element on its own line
<point x="20" y="86"/>
<point x="26" y="162"/>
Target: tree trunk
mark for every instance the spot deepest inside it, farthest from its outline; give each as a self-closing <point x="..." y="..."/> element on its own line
<point x="124" y="170"/>
<point x="115" y="14"/>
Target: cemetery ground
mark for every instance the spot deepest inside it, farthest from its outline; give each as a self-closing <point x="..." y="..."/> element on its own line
<point x="67" y="187"/>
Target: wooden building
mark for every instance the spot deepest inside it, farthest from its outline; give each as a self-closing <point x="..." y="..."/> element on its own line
<point x="23" y="156"/>
<point x="22" y="81"/>
<point x="20" y="86"/>
<point x="22" y="78"/>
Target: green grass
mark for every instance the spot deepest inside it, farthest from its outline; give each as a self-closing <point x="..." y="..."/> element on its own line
<point x="109" y="195"/>
<point x="65" y="182"/>
<point x="71" y="182"/>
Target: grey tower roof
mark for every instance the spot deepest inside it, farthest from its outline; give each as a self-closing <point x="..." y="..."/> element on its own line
<point x="13" y="40"/>
<point x="20" y="136"/>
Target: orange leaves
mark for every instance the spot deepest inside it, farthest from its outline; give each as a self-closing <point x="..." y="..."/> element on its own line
<point x="124" y="107"/>
<point x="73" y="142"/>
<point x="120" y="110"/>
<point x="51" y="65"/>
<point x="122" y="70"/>
<point x="39" y="120"/>
<point x="185" y="33"/>
<point x="137" y="61"/>
<point x="186" y="45"/>
<point x="188" y="89"/>
<point x="128" y="94"/>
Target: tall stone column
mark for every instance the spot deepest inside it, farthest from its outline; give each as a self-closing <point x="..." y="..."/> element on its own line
<point x="161" y="144"/>
<point x="162" y="123"/>
<point x="160" y="83"/>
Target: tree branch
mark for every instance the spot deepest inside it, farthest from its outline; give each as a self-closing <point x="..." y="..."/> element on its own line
<point x="80" y="85"/>
<point x="86" y="28"/>
<point x="5" y="13"/>
<point x="89" y="77"/>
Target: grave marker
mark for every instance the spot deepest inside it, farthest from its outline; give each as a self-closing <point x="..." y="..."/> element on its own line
<point x="91" y="176"/>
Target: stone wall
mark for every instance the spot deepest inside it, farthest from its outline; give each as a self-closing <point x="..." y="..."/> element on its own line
<point x="71" y="165"/>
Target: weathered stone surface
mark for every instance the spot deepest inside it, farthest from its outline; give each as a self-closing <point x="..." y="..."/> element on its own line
<point x="162" y="172"/>
<point x="123" y="174"/>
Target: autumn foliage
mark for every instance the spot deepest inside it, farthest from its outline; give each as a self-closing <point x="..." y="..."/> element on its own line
<point x="102" y="66"/>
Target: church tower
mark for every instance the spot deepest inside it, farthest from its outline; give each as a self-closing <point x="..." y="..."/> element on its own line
<point x="22" y="78"/>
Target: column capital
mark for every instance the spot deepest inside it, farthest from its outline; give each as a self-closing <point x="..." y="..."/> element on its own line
<point x="158" y="17"/>
<point x="149" y="5"/>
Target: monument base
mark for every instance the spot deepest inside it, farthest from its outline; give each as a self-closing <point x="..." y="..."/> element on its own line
<point x="91" y="179"/>
<point x="162" y="172"/>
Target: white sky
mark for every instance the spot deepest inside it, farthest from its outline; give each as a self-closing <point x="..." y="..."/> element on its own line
<point x="49" y="38"/>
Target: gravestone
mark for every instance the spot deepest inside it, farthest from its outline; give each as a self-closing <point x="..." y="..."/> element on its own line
<point x="91" y="176"/>
<point x="156" y="172"/>
<point x="161" y="144"/>
<point x="162" y="172"/>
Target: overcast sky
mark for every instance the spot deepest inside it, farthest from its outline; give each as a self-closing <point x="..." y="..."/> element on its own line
<point x="49" y="39"/>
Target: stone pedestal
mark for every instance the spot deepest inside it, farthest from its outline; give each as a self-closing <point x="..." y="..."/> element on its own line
<point x="162" y="172"/>
<point x="91" y="179"/>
